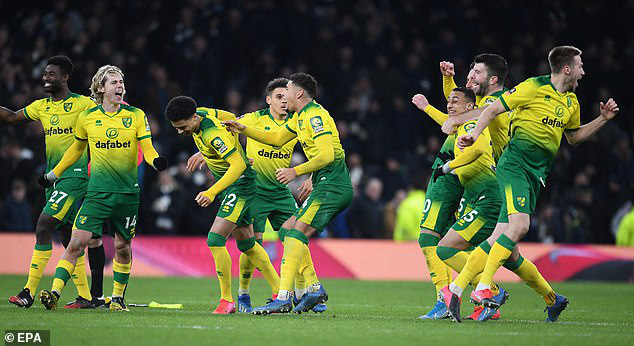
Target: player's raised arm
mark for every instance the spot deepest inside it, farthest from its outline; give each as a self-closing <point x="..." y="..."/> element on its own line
<point x="448" y="72"/>
<point x="326" y="155"/>
<point x="495" y="109"/>
<point x="10" y="117"/>
<point x="277" y="138"/>
<point x="236" y="168"/>
<point x="420" y="101"/>
<point x="576" y="136"/>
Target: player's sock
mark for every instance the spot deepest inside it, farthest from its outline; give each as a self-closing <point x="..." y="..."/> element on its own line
<point x="300" y="286"/>
<point x="260" y="259"/>
<point x="62" y="274"/>
<point x="121" y="273"/>
<point x="437" y="268"/>
<point x="97" y="261"/>
<point x="294" y="248"/>
<point x="474" y="266"/>
<point x="307" y="269"/>
<point x="41" y="255"/>
<point x="500" y="252"/>
<point x="246" y="274"/>
<point x="216" y="244"/>
<point x="528" y="272"/>
<point x="80" y="279"/>
<point x="455" y="258"/>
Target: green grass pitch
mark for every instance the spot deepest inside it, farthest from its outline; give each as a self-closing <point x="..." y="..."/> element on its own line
<point x="359" y="313"/>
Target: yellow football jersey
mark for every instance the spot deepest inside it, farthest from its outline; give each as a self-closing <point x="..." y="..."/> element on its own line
<point x="499" y="126"/>
<point x="482" y="168"/>
<point x="311" y="122"/>
<point x="58" y="118"/>
<point x="267" y="158"/>
<point x="113" y="140"/>
<point x="216" y="143"/>
<point x="540" y="115"/>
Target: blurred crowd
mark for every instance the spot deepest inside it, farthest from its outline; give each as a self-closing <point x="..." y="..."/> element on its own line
<point x="369" y="58"/>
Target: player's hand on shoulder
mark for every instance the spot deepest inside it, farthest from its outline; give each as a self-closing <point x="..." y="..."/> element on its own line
<point x="447" y="69"/>
<point x="420" y="101"/>
<point x="196" y="161"/>
<point x="234" y="126"/>
<point x="608" y="109"/>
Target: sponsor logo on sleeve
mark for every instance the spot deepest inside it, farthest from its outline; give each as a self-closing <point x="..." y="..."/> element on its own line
<point x="317" y="124"/>
<point x="219" y="145"/>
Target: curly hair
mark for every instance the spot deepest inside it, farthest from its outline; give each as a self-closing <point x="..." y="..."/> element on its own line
<point x="99" y="80"/>
<point x="180" y="108"/>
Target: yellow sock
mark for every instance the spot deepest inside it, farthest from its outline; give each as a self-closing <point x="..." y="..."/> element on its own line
<point x="528" y="272"/>
<point x="439" y="272"/>
<point x="457" y="260"/>
<point x="246" y="272"/>
<point x="258" y="256"/>
<point x="293" y="255"/>
<point x="449" y="273"/>
<point x="62" y="274"/>
<point x="474" y="266"/>
<point x="223" y="270"/>
<point x="41" y="255"/>
<point x="307" y="269"/>
<point x="80" y="279"/>
<point x="300" y="285"/>
<point x="121" y="273"/>
<point x="500" y="252"/>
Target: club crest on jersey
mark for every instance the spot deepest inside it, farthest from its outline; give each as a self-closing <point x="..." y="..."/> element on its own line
<point x="127" y="122"/>
<point x="317" y="124"/>
<point x="220" y="146"/>
<point x="470" y="127"/>
<point x="521" y="201"/>
<point x="68" y="106"/>
<point x="82" y="219"/>
<point x="54" y="119"/>
<point x="112" y="133"/>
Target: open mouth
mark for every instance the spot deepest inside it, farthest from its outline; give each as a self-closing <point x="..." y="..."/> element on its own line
<point x="48" y="84"/>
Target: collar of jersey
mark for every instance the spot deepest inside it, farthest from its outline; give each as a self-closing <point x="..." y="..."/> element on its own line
<point x="108" y="115"/>
<point x="308" y="105"/>
<point x="70" y="94"/>
<point x="268" y="112"/>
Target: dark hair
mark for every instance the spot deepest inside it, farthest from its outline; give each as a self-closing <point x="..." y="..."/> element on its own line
<point x="276" y="83"/>
<point x="306" y="82"/>
<point x="180" y="108"/>
<point x="561" y="56"/>
<point x="64" y="63"/>
<point x="468" y="93"/>
<point x="495" y="65"/>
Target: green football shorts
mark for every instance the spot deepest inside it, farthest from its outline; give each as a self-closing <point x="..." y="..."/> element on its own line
<point x="519" y="187"/>
<point x="477" y="224"/>
<point x="120" y="209"/>
<point x="236" y="202"/>
<point x="277" y="206"/>
<point x="323" y="204"/>
<point x="64" y="198"/>
<point x="442" y="200"/>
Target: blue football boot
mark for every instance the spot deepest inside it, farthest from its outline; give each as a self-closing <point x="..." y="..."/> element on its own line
<point x="438" y="312"/>
<point x="244" y="303"/>
<point x="309" y="300"/>
<point x="560" y="305"/>
<point x="277" y="306"/>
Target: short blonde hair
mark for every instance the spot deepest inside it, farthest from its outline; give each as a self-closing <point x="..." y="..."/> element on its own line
<point x="99" y="79"/>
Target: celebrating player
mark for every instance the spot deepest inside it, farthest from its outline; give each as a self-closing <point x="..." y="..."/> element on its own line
<point x="113" y="132"/>
<point x="58" y="115"/>
<point x="544" y="108"/>
<point x="235" y="186"/>
<point x="315" y="129"/>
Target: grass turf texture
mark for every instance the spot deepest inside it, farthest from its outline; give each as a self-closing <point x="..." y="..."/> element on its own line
<point x="359" y="312"/>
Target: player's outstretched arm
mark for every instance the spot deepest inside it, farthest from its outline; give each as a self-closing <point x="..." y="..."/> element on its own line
<point x="326" y="155"/>
<point x="580" y="135"/>
<point x="236" y="168"/>
<point x="278" y="138"/>
<point x="420" y="101"/>
<point x="485" y="118"/>
<point x="449" y="126"/>
<point x="11" y="117"/>
<point x="151" y="156"/>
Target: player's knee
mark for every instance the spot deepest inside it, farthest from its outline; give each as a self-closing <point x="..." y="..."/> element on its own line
<point x="246" y="244"/>
<point x="518" y="228"/>
<point x="426" y="239"/>
<point x="94" y="243"/>
<point x="44" y="228"/>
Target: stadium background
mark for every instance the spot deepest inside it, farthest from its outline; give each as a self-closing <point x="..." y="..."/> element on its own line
<point x="369" y="58"/>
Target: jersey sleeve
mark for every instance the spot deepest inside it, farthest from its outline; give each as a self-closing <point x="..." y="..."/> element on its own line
<point x="224" y="115"/>
<point x="219" y="140"/>
<point x="31" y="111"/>
<point x="575" y="118"/>
<point x="320" y="124"/>
<point x="87" y="103"/>
<point x="143" y="129"/>
<point x="291" y="124"/>
<point x="522" y="94"/>
<point x="247" y="119"/>
<point x="80" y="126"/>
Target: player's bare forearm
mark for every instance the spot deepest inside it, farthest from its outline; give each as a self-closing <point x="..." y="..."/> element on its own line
<point x="11" y="117"/>
<point x="580" y="135"/>
<point x="448" y="126"/>
<point x="73" y="153"/>
<point x="485" y="118"/>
